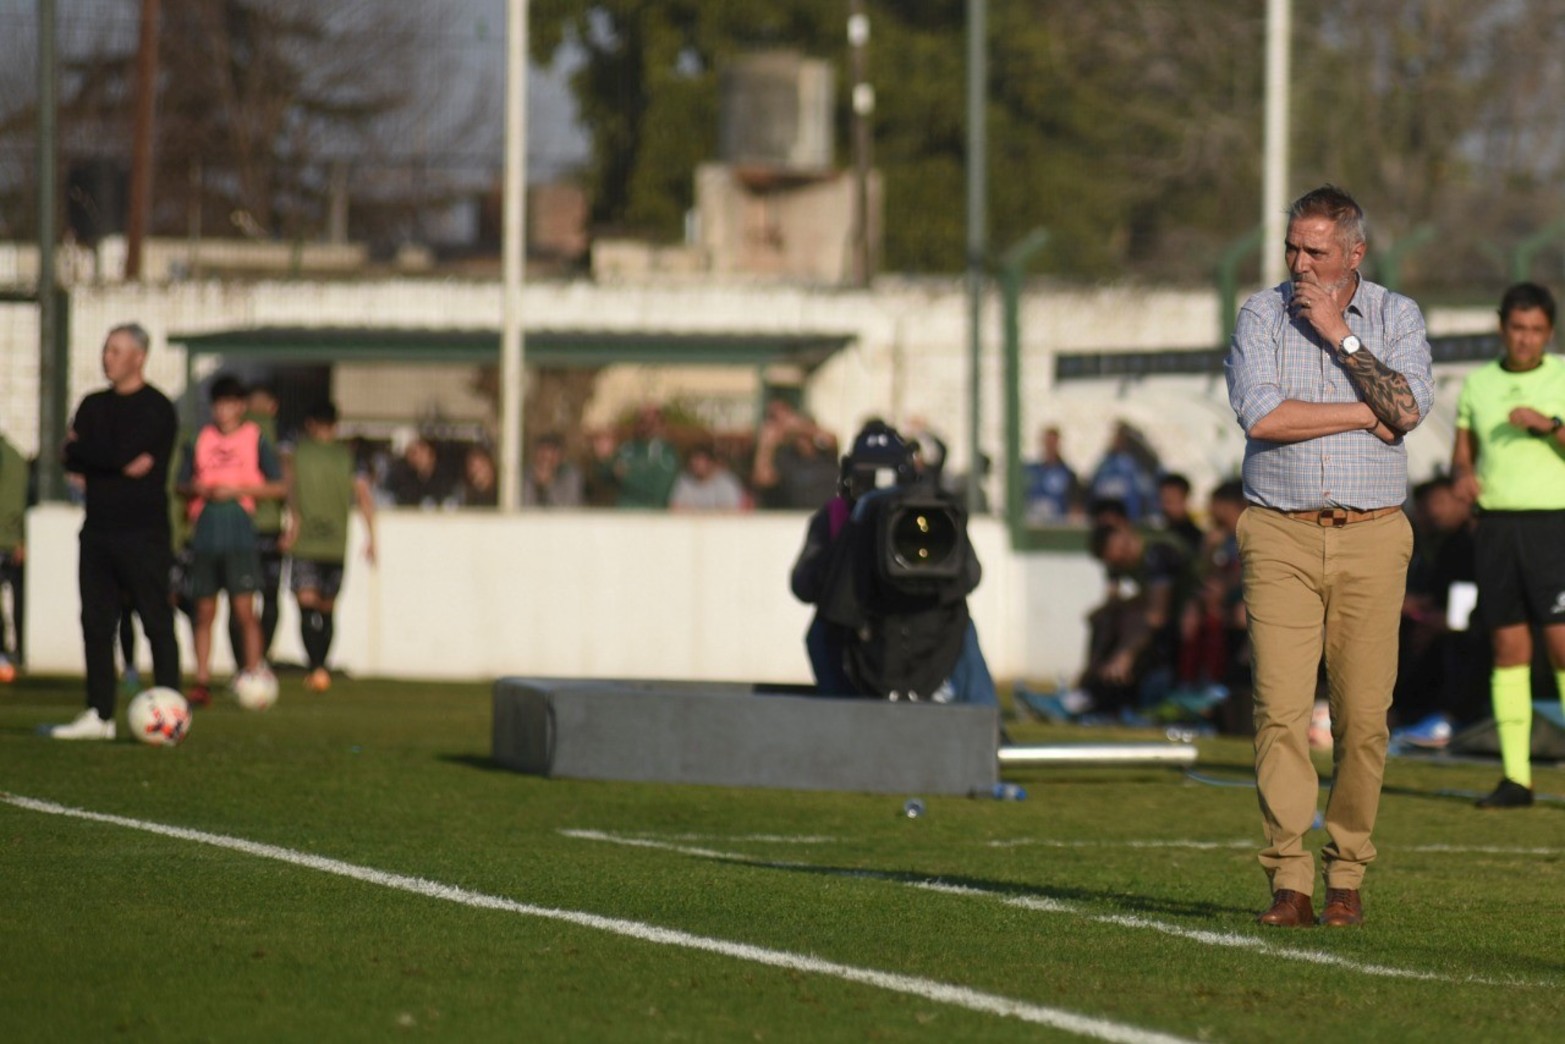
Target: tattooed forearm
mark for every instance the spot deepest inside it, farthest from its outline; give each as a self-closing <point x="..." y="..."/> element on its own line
<point x="1385" y="391"/>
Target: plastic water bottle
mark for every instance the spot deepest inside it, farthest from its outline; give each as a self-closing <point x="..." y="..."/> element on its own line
<point x="913" y="807"/>
<point x="1003" y="792"/>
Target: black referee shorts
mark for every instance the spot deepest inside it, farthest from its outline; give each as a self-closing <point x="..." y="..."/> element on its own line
<point x="1521" y="567"/>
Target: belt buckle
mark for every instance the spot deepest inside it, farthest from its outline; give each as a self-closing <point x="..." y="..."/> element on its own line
<point x="1334" y="518"/>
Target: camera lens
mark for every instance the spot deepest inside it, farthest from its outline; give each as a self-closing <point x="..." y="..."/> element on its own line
<point x="923" y="538"/>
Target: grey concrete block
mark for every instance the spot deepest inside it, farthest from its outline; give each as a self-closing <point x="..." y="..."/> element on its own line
<point x="740" y="735"/>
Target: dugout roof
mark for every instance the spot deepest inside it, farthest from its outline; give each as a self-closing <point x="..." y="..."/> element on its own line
<point x="544" y="348"/>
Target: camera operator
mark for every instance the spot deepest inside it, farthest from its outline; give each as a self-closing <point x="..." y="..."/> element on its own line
<point x="888" y="565"/>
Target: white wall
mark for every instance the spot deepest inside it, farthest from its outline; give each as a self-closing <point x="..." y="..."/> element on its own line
<point x="588" y="594"/>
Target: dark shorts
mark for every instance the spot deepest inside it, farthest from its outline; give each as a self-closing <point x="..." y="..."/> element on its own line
<point x="237" y="572"/>
<point x="271" y="560"/>
<point x="324" y="578"/>
<point x="1521" y="567"/>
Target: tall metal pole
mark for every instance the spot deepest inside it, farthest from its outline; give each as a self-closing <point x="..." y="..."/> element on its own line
<point x="863" y="108"/>
<point x="1274" y="198"/>
<point x="52" y="374"/>
<point x="977" y="220"/>
<point x="141" y="139"/>
<point x="513" y="256"/>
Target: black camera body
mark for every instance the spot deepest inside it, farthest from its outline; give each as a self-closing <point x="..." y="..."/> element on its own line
<point x="901" y="572"/>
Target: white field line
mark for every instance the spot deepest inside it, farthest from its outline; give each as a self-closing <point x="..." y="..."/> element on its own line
<point x="912" y="985"/>
<point x="1043" y="904"/>
<point x="1129" y="843"/>
<point x="1392" y="849"/>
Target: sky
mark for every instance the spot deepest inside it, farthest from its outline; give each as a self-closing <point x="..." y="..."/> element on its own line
<point x="463" y="39"/>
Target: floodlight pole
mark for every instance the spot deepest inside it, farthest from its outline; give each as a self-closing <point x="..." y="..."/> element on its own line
<point x="863" y="107"/>
<point x="513" y="371"/>
<point x="53" y="368"/>
<point x="1279" y="34"/>
<point x="977" y="220"/>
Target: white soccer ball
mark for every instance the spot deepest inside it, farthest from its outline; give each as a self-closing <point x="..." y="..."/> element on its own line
<point x="255" y="690"/>
<point x="159" y="717"/>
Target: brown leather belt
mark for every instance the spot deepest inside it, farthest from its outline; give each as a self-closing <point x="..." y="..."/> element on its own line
<point x="1336" y="518"/>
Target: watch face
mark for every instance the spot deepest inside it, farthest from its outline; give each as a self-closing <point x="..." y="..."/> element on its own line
<point x="1351" y="344"/>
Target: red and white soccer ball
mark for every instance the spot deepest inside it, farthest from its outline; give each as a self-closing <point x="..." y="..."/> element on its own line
<point x="1320" y="726"/>
<point x="255" y="690"/>
<point x="159" y="717"/>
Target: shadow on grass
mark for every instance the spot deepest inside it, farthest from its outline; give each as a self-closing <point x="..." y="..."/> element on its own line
<point x="474" y="761"/>
<point x="1100" y="903"/>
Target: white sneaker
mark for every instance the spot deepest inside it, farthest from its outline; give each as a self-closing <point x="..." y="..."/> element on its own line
<point x="86" y="727"/>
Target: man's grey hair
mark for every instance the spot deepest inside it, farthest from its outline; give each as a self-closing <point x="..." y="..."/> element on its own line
<point x="136" y="332"/>
<point x="1333" y="203"/>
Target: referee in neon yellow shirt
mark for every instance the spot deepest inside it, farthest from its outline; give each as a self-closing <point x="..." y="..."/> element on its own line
<point x="1509" y="459"/>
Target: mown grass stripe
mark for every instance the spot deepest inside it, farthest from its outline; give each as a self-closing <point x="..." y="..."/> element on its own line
<point x="912" y="985"/>
<point x="1047" y="905"/>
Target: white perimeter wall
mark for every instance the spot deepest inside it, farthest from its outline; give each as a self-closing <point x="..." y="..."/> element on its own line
<point x="588" y="594"/>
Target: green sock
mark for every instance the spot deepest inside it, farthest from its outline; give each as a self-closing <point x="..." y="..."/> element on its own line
<point x="1511" y="688"/>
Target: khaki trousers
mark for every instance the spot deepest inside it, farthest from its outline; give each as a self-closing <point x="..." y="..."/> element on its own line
<point x="1311" y="591"/>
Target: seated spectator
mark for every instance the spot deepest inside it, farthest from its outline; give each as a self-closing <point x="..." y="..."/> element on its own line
<point x="1213" y="639"/>
<point x="645" y="465"/>
<point x="415" y="480"/>
<point x="1126" y="473"/>
<point x="1173" y="514"/>
<point x="705" y="484"/>
<point x="795" y="461"/>
<point x="1051" y="491"/>
<point x="1442" y="671"/>
<point x="479" y="487"/>
<point x="552" y="481"/>
<point x="1133" y="635"/>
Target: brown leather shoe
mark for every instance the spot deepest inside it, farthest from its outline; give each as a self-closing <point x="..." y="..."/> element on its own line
<point x="1289" y="909"/>
<point x="1343" y="908"/>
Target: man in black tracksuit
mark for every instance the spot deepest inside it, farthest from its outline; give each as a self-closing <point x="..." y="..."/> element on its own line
<point x="120" y="442"/>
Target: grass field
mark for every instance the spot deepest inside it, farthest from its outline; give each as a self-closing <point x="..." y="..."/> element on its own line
<point x="351" y="867"/>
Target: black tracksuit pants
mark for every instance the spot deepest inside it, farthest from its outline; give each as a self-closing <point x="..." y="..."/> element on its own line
<point x="117" y="569"/>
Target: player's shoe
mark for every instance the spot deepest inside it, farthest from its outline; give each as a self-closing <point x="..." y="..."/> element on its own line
<point x="318" y="680"/>
<point x="7" y="670"/>
<point x="199" y="695"/>
<point x="1509" y="794"/>
<point x="88" y="726"/>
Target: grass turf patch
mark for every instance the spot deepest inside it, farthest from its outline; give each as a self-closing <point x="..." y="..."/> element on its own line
<point x="1124" y="895"/>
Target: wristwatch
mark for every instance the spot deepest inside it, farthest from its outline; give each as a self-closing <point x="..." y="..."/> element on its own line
<point x="1350" y="344"/>
<point x="1555" y="424"/>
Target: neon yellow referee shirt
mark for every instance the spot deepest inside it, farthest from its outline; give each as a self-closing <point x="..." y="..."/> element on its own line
<point x="1516" y="470"/>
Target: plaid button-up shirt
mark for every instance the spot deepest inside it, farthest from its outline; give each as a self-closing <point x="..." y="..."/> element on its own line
<point x="1274" y="357"/>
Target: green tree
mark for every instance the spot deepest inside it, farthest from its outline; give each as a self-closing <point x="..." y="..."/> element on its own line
<point x="1086" y="136"/>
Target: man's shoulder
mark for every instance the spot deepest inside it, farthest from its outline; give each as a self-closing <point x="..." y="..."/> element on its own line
<point x="1373" y="299"/>
<point x="1273" y="300"/>
<point x="152" y="396"/>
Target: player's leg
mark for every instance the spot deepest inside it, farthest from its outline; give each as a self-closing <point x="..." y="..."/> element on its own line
<point x="100" y="612"/>
<point x="146" y="583"/>
<point x="1502" y="603"/>
<point x="271" y="585"/>
<point x="1367" y="581"/>
<point x="1282" y="589"/>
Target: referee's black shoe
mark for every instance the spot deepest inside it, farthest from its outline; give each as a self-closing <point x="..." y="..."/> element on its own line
<point x="1509" y="794"/>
